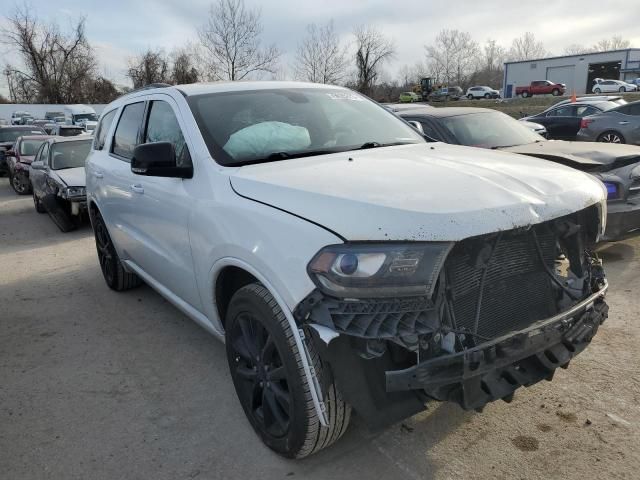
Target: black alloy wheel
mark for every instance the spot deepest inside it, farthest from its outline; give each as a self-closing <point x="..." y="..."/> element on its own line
<point x="261" y="377"/>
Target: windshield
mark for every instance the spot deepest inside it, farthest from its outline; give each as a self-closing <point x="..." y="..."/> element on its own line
<point x="489" y="130"/>
<point x="69" y="154"/>
<point x="12" y="134"/>
<point x="265" y="125"/>
<point x="29" y="148"/>
<point x="85" y="116"/>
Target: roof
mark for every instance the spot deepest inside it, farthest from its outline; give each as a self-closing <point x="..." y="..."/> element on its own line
<point x="574" y="56"/>
<point x="403" y="107"/>
<point x="443" y="112"/>
<point x="54" y="139"/>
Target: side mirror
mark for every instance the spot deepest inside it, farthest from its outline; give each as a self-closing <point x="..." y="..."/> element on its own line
<point x="37" y="165"/>
<point x="158" y="159"/>
<point x="416" y="125"/>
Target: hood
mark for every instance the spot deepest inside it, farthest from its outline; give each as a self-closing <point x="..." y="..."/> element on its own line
<point x="73" y="177"/>
<point x="588" y="156"/>
<point x="419" y="192"/>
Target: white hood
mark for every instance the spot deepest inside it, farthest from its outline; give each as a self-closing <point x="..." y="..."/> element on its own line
<point x="73" y="177"/>
<point x="420" y="192"/>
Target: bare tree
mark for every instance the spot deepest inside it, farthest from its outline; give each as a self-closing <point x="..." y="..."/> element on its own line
<point x="320" y="58"/>
<point x="372" y="50"/>
<point x="101" y="90"/>
<point x="183" y="68"/>
<point x="149" y="67"/>
<point x="55" y="67"/>
<point x="231" y="40"/>
<point x="576" y="49"/>
<point x="489" y="67"/>
<point x="453" y="56"/>
<point x="613" y="43"/>
<point x="526" y="47"/>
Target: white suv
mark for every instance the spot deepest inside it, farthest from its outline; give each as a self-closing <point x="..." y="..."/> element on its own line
<point x="346" y="262"/>
<point x="482" y="92"/>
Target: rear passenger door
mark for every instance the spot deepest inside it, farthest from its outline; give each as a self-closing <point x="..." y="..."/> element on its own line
<point x="162" y="207"/>
<point x="560" y="122"/>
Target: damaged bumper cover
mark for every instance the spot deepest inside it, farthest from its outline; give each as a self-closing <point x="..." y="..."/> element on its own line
<point x="495" y="369"/>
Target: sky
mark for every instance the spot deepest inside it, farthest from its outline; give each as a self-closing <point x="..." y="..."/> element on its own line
<point x="120" y="29"/>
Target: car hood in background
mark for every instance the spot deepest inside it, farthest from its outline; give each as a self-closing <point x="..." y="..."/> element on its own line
<point x="588" y="156"/>
<point x="419" y="192"/>
<point x="73" y="177"/>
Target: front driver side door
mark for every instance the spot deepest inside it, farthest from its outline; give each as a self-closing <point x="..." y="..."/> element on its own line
<point x="163" y="205"/>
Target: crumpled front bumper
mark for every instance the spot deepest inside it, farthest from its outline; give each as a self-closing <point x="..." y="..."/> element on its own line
<point x="495" y="369"/>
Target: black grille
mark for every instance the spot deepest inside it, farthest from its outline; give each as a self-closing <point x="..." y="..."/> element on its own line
<point x="381" y="318"/>
<point x="517" y="289"/>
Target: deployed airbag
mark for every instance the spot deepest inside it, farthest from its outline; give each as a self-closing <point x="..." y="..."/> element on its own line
<point x="265" y="138"/>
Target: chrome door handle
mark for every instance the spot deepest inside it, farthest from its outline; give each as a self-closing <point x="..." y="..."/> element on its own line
<point x="623" y="123"/>
<point x="137" y="188"/>
<point x="98" y="174"/>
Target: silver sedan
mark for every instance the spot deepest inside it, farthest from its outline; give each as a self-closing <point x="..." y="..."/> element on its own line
<point x="619" y="125"/>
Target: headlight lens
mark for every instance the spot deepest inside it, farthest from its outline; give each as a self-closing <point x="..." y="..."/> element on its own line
<point x="75" y="192"/>
<point x="378" y="270"/>
<point x="612" y="190"/>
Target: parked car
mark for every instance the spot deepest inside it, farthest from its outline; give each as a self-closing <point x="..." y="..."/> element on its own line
<point x="409" y="97"/>
<point x="21" y="118"/>
<point x="482" y="92"/>
<point x="541" y="87"/>
<point x="67" y="130"/>
<point x="79" y="114"/>
<point x="18" y="160"/>
<point x="617" y="99"/>
<point x="8" y="136"/>
<point x="607" y="86"/>
<point x="340" y="255"/>
<point x="618" y="166"/>
<point x="563" y="121"/>
<point x="618" y="125"/>
<point x="445" y="94"/>
<point x="58" y="181"/>
<point x="51" y="116"/>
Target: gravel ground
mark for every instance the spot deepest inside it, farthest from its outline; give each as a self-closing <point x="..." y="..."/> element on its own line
<point x="100" y="385"/>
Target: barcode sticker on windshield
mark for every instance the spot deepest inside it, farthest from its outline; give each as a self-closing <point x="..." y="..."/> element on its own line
<point x="345" y="96"/>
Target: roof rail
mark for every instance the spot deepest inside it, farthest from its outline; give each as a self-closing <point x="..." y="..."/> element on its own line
<point x="148" y="86"/>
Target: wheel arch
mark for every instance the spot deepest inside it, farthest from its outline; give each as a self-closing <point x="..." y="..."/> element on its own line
<point x="231" y="268"/>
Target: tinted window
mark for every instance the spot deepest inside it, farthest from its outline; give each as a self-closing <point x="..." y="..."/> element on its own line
<point x="585" y="110"/>
<point x="69" y="154"/>
<point x="70" y="131"/>
<point x="103" y="129"/>
<point x="567" y="111"/>
<point x="163" y="126"/>
<point x="126" y="136"/>
<point x="429" y="129"/>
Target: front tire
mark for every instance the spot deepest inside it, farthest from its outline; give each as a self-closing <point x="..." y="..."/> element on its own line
<point x="487" y="96"/>
<point x="597" y="90"/>
<point x="525" y="94"/>
<point x="116" y="277"/>
<point x="470" y="97"/>
<point x="267" y="372"/>
<point x="555" y="92"/>
<point x="36" y="203"/>
<point x="622" y="90"/>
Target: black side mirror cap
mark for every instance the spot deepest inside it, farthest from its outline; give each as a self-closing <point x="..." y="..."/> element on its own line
<point x="158" y="159"/>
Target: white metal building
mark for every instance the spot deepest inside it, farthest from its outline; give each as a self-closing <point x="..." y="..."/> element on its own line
<point x="576" y="71"/>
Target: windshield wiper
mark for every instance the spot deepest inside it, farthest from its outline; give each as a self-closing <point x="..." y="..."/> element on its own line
<point x="366" y="145"/>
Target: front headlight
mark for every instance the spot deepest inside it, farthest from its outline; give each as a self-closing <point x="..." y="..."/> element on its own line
<point x="378" y="270"/>
<point x="71" y="192"/>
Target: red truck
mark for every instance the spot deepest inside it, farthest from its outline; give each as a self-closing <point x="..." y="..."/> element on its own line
<point x="541" y="87"/>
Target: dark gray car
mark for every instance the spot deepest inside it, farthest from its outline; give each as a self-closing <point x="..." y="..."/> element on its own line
<point x="617" y="166"/>
<point x="620" y="125"/>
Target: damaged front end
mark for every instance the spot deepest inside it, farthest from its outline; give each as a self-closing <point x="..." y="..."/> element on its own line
<point x="467" y="322"/>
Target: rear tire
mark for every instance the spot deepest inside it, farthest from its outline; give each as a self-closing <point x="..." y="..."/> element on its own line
<point x="267" y="372"/>
<point x="611" y="137"/>
<point x="597" y="90"/>
<point x="525" y="94"/>
<point x="20" y="183"/>
<point x="116" y="277"/>
<point x="470" y="97"/>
